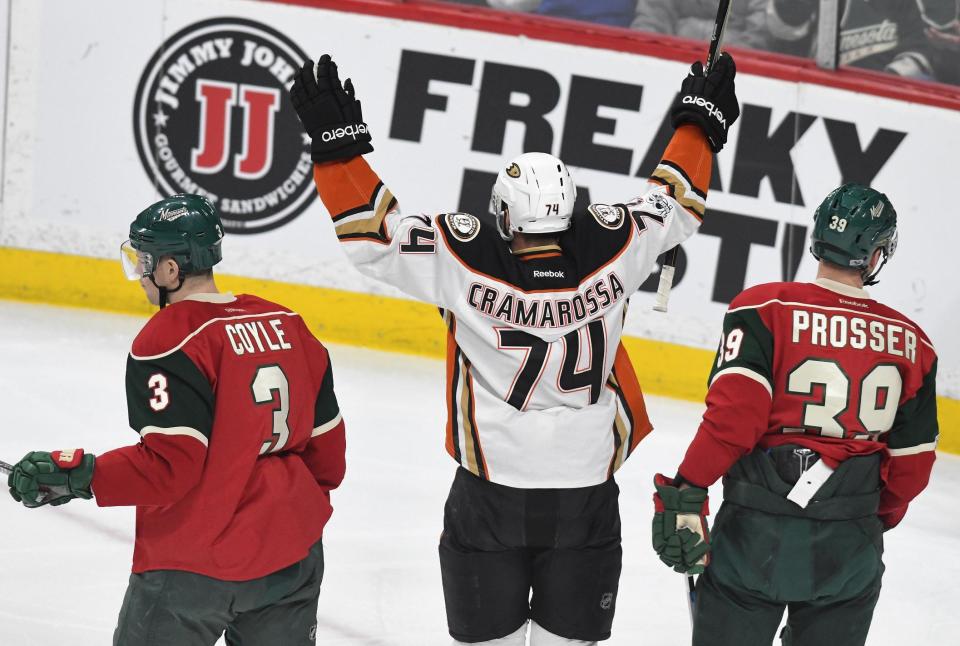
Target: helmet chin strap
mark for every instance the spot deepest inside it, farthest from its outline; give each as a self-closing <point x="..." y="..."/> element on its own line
<point x="872" y="278"/>
<point x="502" y="228"/>
<point x="165" y="291"/>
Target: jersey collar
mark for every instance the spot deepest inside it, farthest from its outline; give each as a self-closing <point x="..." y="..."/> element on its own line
<point x="841" y="288"/>
<point x="531" y="251"/>
<point x="221" y="299"/>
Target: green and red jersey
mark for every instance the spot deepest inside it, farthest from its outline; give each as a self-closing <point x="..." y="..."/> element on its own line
<point x="241" y="439"/>
<point x="824" y="366"/>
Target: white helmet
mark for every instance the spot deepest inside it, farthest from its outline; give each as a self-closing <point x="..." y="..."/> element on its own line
<point x="538" y="191"/>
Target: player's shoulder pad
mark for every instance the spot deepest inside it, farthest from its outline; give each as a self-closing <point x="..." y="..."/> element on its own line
<point x="164" y="331"/>
<point x="474" y="241"/>
<point x="597" y="235"/>
<point x="173" y="326"/>
<point x="887" y="311"/>
<point x="759" y="295"/>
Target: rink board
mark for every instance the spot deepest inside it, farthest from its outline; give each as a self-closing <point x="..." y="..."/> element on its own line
<point x="449" y="93"/>
<point x="375" y="322"/>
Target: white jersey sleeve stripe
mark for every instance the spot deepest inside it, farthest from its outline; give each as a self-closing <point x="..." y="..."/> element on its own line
<point x="913" y="450"/>
<point x="329" y="426"/>
<point x="176" y="430"/>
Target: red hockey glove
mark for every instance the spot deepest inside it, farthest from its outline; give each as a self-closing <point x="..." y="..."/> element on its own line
<point x="680" y="536"/>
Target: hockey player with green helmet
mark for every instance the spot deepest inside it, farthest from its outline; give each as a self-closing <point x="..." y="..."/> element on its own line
<point x="240" y="443"/>
<point x="821" y="419"/>
<point x="174" y="239"/>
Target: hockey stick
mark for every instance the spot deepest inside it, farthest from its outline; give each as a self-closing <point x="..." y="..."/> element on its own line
<point x="690" y="592"/>
<point x="670" y="263"/>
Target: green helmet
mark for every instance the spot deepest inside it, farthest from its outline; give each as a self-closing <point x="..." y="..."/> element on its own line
<point x="185" y="227"/>
<point x="851" y="223"/>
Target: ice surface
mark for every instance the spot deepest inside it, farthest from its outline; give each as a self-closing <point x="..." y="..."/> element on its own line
<point x="64" y="570"/>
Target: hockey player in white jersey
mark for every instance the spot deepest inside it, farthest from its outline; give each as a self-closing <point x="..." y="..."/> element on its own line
<point x="543" y="403"/>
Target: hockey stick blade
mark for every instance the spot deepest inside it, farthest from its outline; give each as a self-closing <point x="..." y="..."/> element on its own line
<point x="716" y="47"/>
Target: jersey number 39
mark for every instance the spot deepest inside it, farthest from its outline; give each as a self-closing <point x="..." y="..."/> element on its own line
<point x="879" y="390"/>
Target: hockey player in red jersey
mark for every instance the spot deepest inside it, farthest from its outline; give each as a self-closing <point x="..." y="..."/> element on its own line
<point x="241" y="441"/>
<point x="543" y="403"/>
<point x="822" y="419"/>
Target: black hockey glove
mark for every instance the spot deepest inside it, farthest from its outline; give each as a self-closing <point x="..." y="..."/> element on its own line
<point x="709" y="100"/>
<point x="329" y="112"/>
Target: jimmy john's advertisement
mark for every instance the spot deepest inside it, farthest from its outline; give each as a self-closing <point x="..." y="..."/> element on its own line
<point x="192" y="97"/>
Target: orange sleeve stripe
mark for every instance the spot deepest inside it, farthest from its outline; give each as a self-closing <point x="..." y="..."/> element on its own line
<point x="344" y="186"/>
<point x="690" y="150"/>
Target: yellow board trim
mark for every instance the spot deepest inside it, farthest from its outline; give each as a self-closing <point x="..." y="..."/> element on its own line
<point x="351" y="318"/>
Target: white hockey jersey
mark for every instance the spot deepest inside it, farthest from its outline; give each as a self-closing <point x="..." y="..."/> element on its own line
<point x="540" y="391"/>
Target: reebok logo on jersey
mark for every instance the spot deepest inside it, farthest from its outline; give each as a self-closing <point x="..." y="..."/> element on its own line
<point x="350" y="131"/>
<point x="711" y="109"/>
<point x="547" y="274"/>
<point x="854" y="303"/>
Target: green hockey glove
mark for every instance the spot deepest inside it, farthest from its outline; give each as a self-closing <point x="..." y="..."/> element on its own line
<point x="56" y="478"/>
<point x="680" y="536"/>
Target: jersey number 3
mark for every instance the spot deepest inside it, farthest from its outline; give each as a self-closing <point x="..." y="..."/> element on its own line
<point x="269" y="380"/>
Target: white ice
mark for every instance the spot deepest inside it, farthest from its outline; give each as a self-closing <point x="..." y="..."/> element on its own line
<point x="64" y="570"/>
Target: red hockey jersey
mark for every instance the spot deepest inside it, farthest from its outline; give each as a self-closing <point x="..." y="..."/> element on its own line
<point x="241" y="439"/>
<point x="823" y="366"/>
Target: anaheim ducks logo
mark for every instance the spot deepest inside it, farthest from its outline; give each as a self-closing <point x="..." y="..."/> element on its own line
<point x="611" y="217"/>
<point x="513" y="171"/>
<point x="210" y="117"/>
<point x="463" y="226"/>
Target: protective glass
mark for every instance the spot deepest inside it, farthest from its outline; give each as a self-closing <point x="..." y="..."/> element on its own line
<point x="940" y="15"/>
<point x="136" y="264"/>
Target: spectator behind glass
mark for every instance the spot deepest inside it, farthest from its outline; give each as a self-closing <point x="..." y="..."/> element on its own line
<point x="887" y="35"/>
<point x="618" y="13"/>
<point x="747" y="26"/>
<point x="943" y="33"/>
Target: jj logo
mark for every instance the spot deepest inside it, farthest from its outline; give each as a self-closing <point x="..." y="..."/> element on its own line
<point x="210" y="118"/>
<point x="217" y="100"/>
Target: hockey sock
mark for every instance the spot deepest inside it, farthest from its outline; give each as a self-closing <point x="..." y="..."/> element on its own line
<point x="540" y="636"/>
<point x="518" y="638"/>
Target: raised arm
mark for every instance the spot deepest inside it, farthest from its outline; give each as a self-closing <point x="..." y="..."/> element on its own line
<point x="674" y="203"/>
<point x="376" y="237"/>
<point x="379" y="240"/>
